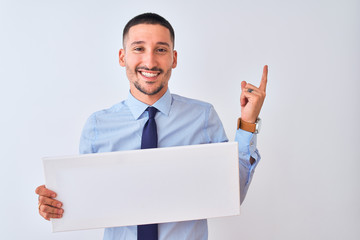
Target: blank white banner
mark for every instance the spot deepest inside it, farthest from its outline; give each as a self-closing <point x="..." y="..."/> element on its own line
<point x="145" y="186"/>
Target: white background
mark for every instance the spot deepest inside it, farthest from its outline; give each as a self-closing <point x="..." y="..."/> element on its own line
<point x="58" y="64"/>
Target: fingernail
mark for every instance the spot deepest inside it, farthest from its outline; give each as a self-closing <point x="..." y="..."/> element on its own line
<point x="58" y="205"/>
<point x="53" y="195"/>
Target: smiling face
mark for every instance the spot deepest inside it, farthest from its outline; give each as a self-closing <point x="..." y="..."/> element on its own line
<point x="149" y="58"/>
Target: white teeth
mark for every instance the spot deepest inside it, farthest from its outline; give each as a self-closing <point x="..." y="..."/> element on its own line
<point x="147" y="74"/>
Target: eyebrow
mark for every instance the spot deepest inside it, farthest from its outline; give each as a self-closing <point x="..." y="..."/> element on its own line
<point x="142" y="42"/>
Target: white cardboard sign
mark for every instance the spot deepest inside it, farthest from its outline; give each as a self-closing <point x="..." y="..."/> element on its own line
<point x="145" y="186"/>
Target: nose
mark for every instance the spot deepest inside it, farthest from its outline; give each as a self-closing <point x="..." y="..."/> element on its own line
<point x="150" y="60"/>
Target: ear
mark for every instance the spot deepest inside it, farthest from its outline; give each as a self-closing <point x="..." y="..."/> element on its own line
<point x="122" y="57"/>
<point x="174" y="59"/>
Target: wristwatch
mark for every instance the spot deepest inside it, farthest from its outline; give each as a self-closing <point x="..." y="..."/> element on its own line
<point x="250" y="127"/>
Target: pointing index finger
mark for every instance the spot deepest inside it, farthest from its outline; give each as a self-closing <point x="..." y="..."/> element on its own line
<point x="264" y="79"/>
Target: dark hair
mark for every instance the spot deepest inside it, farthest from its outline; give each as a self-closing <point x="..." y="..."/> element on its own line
<point x="149" y="18"/>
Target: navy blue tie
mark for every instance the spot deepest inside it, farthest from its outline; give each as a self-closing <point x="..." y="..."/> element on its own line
<point x="149" y="140"/>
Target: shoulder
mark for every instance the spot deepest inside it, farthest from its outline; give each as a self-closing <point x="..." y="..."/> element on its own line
<point x="115" y="110"/>
<point x="201" y="114"/>
<point x="177" y="99"/>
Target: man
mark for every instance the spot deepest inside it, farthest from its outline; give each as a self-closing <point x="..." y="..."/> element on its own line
<point x="148" y="55"/>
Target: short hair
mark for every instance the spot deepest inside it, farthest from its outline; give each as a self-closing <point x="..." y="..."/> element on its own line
<point x="149" y="18"/>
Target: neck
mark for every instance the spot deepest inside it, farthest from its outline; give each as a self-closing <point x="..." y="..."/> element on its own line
<point x="147" y="99"/>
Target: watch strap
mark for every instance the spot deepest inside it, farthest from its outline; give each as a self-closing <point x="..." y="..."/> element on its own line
<point x="249" y="127"/>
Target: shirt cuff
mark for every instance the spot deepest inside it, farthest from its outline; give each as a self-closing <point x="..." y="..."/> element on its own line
<point x="247" y="146"/>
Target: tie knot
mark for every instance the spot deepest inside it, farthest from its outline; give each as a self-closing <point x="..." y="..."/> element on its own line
<point x="152" y="111"/>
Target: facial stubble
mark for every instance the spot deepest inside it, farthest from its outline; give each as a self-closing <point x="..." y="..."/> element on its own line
<point x="155" y="91"/>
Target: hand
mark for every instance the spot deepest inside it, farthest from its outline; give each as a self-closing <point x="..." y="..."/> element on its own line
<point x="48" y="206"/>
<point x="252" y="98"/>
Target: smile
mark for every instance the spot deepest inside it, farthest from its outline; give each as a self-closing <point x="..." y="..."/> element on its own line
<point x="148" y="74"/>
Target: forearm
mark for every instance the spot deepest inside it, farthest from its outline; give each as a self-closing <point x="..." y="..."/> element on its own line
<point x="249" y="157"/>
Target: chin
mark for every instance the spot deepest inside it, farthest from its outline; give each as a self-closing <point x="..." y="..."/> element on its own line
<point x="149" y="91"/>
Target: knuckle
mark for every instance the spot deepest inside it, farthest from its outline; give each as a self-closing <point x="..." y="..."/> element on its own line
<point x="43" y="200"/>
<point x="55" y="210"/>
<point x="52" y="210"/>
<point x="46" y="209"/>
<point x="53" y="203"/>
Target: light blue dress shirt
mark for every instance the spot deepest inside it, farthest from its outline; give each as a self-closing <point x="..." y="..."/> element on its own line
<point x="180" y="121"/>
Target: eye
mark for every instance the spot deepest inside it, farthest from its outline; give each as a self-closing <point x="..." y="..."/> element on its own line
<point x="138" y="49"/>
<point x="161" y="50"/>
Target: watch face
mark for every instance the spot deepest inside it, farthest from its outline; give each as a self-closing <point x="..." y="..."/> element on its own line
<point x="258" y="125"/>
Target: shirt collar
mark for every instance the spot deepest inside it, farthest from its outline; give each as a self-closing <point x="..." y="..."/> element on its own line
<point x="137" y="107"/>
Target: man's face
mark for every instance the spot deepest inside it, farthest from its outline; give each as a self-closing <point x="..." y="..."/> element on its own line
<point x="149" y="57"/>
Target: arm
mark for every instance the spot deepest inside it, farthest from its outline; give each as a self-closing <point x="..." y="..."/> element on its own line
<point x="251" y="101"/>
<point x="249" y="157"/>
<point x="248" y="154"/>
<point x="48" y="206"/>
